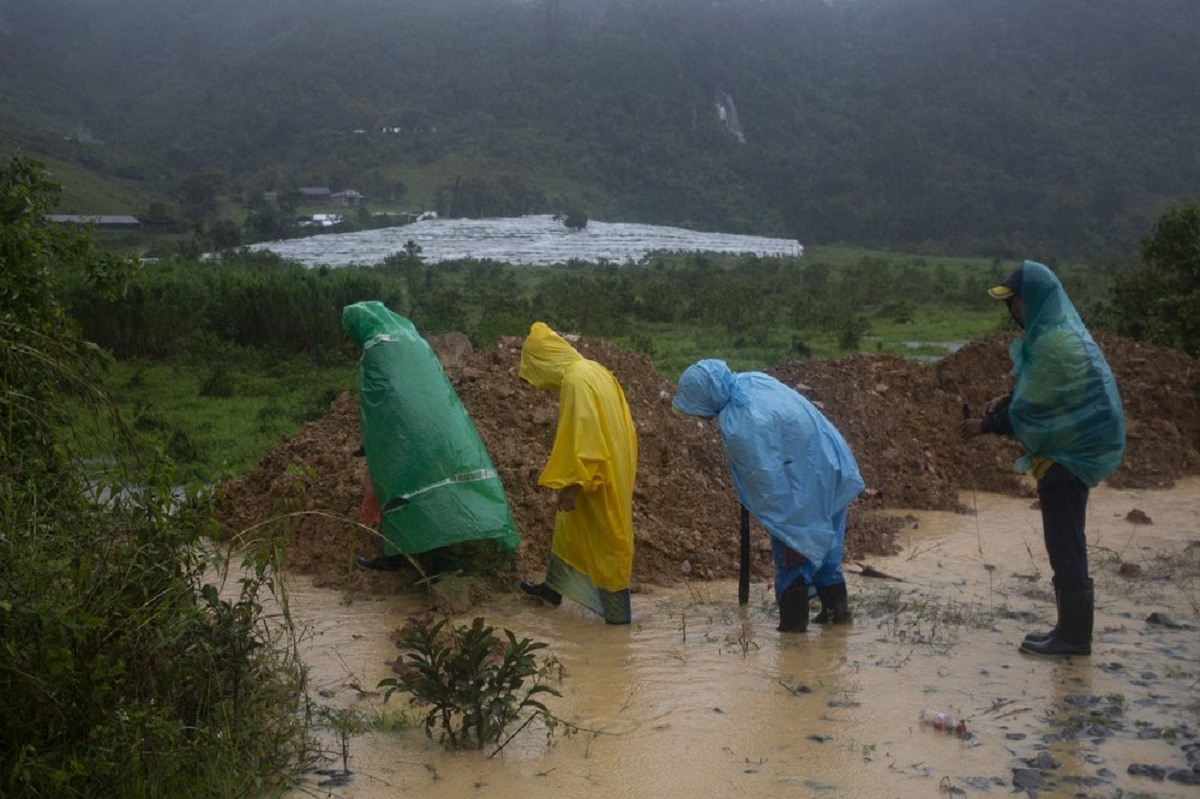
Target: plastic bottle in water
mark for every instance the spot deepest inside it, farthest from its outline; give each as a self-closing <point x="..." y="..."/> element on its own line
<point x="943" y="722"/>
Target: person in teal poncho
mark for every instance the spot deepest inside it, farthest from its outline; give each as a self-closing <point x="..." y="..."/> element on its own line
<point x="1066" y="411"/>
<point x="793" y="471"/>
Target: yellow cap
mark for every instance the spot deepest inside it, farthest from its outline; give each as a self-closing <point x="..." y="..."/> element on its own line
<point x="1001" y="292"/>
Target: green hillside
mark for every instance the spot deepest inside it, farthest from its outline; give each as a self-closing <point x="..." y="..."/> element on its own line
<point x="957" y="126"/>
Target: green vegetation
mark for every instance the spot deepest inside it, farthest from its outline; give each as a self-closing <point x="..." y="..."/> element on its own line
<point x="214" y="421"/>
<point x="984" y="128"/>
<point x="474" y="684"/>
<point x="1160" y="300"/>
<point x="128" y="665"/>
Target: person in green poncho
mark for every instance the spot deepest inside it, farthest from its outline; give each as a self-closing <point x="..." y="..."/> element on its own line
<point x="428" y="468"/>
<point x="591" y="467"/>
<point x="1066" y="411"/>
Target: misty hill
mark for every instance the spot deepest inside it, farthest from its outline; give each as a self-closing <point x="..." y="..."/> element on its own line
<point x="1015" y="128"/>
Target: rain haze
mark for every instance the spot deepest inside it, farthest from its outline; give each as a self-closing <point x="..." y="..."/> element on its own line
<point x="195" y="191"/>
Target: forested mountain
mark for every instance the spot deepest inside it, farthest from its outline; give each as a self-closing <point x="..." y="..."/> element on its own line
<point x="1005" y="127"/>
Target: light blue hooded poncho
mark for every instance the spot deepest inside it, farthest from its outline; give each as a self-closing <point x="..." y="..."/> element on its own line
<point x="1065" y="404"/>
<point x="791" y="467"/>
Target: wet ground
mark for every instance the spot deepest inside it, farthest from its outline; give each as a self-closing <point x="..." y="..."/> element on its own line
<point x="702" y="697"/>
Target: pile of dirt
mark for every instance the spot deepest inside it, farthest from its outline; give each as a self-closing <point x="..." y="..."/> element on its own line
<point x="899" y="416"/>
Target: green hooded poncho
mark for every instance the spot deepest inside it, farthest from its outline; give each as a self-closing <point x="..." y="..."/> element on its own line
<point x="428" y="467"/>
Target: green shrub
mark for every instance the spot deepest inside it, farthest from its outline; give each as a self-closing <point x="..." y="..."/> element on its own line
<point x="1159" y="301"/>
<point x="474" y="683"/>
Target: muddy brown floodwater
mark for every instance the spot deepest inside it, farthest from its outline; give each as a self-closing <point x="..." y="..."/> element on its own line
<point x="701" y="697"/>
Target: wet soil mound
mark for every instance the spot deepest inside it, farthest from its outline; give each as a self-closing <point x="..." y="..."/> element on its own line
<point x="899" y="416"/>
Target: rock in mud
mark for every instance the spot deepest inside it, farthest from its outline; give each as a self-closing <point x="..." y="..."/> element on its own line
<point x="1163" y="620"/>
<point x="1027" y="779"/>
<point x="1157" y="773"/>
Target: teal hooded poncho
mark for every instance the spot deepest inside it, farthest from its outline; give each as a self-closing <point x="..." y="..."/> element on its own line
<point x="1065" y="405"/>
<point x="433" y="477"/>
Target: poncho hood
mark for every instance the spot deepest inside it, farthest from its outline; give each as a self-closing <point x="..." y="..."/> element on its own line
<point x="705" y="388"/>
<point x="545" y="357"/>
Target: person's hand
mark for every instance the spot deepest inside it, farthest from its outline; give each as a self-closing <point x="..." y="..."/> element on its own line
<point x="567" y="497"/>
<point x="997" y="404"/>
<point x="970" y="428"/>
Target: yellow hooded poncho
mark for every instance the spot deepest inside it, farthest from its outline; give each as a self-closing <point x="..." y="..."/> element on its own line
<point x="596" y="448"/>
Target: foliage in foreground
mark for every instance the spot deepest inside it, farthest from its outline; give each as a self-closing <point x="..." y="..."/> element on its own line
<point x="475" y="684"/>
<point x="1159" y="301"/>
<point x="126" y="667"/>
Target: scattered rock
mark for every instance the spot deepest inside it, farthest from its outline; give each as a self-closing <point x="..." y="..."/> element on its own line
<point x="1157" y="773"/>
<point x="1027" y="779"/>
<point x="1045" y="762"/>
<point x="1136" y="516"/>
<point x="1130" y="570"/>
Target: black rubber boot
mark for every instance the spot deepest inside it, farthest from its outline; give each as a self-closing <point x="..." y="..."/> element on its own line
<point x="542" y="592"/>
<point x="1041" y="638"/>
<point x="835" y="605"/>
<point x="383" y="563"/>
<point x="442" y="562"/>
<point x="1073" y="636"/>
<point x="793" y="608"/>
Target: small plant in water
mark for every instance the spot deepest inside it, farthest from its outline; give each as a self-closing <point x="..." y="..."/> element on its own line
<point x="474" y="683"/>
<point x="345" y="723"/>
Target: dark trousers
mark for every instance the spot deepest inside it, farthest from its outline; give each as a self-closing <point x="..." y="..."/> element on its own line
<point x="1064" y="510"/>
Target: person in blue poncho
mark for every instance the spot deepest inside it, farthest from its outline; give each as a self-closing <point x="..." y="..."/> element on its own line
<point x="793" y="471"/>
<point x="1066" y="411"/>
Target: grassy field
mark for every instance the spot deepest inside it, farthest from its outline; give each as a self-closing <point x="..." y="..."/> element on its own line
<point x="218" y="422"/>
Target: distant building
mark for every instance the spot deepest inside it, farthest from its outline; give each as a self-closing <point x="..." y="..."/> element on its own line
<point x="314" y="193"/>
<point x="96" y="220"/>
<point x="349" y="197"/>
<point x="320" y="220"/>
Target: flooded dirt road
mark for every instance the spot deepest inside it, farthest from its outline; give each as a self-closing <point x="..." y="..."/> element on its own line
<point x="701" y="697"/>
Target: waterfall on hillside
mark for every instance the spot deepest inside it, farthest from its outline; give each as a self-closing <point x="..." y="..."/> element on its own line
<point x="727" y="113"/>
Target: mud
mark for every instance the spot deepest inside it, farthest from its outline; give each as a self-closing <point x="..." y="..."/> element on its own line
<point x="702" y="697"/>
<point x="899" y="416"/>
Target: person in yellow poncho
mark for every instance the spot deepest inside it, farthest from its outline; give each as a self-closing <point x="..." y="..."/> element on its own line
<point x="592" y="467"/>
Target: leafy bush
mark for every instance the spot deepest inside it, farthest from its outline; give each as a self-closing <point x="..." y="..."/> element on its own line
<point x="474" y="683"/>
<point x="1159" y="301"/>
<point x="125" y="669"/>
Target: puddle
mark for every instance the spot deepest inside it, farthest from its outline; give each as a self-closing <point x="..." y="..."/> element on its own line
<point x="701" y="697"/>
